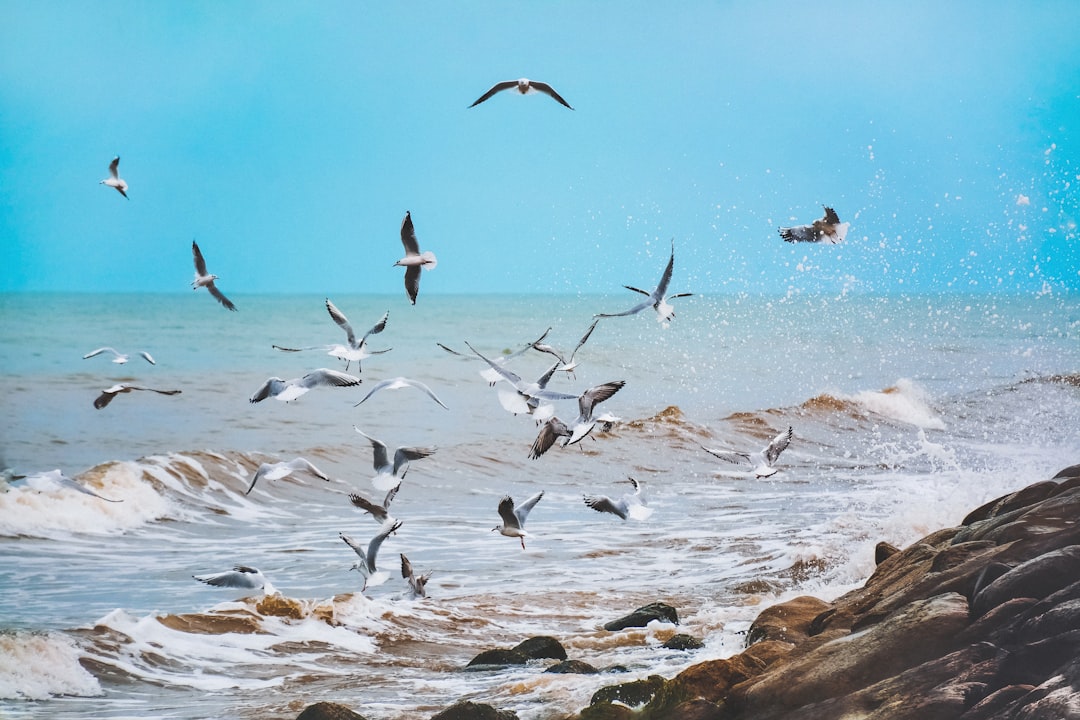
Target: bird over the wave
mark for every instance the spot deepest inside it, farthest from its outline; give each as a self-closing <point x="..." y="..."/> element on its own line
<point x="658" y="298"/>
<point x="523" y="86"/>
<point x="762" y="461"/>
<point x="242" y="576"/>
<point x="513" y="518"/>
<point x="355" y="350"/>
<point x="366" y="565"/>
<point x="402" y="382"/>
<point x="109" y="393"/>
<point x="279" y="470"/>
<point x="118" y="357"/>
<point x="205" y="279"/>
<point x="828" y="230"/>
<point x="632" y="505"/>
<point x="414" y="260"/>
<point x="289" y="390"/>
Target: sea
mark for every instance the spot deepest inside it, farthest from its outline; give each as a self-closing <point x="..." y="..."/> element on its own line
<point x="907" y="412"/>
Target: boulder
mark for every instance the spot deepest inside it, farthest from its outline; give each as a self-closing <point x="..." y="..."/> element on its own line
<point x="682" y="641"/>
<point x="788" y="621"/>
<point x="541" y="647"/>
<point x="328" y="711"/>
<point x="644" y="615"/>
<point x="466" y="710"/>
<point x="572" y="667"/>
<point x="496" y="658"/>
<point x="637" y="692"/>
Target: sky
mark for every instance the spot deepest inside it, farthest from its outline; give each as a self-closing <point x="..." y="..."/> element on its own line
<point x="289" y="139"/>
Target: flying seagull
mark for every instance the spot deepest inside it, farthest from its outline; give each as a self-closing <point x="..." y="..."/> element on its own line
<point x="354" y="350"/>
<point x="203" y="279"/>
<point x="414" y="259"/>
<point x="416" y="582"/>
<point x="108" y="394"/>
<point x="380" y="513"/>
<point x="528" y="395"/>
<point x="631" y="505"/>
<point x="366" y="565"/>
<point x="278" y="470"/>
<point x="828" y="230"/>
<point x="241" y="576"/>
<point x="658" y="298"/>
<point x="402" y="382"/>
<point x="287" y="390"/>
<point x="402" y="457"/>
<point x="490" y="374"/>
<point x="55" y="478"/>
<point x="762" y="461"/>
<point x="114" y="180"/>
<point x="582" y="426"/>
<point x="568" y="366"/>
<point x="119" y="358"/>
<point x="513" y="519"/>
<point x="524" y="86"/>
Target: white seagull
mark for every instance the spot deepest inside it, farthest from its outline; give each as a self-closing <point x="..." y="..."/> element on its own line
<point x="631" y="505"/>
<point x="204" y="279"/>
<point x="119" y="358"/>
<point x="513" y="519"/>
<point x="658" y="298"/>
<point x="583" y="424"/>
<point x="380" y="513"/>
<point x="828" y="230"/>
<point x="53" y="479"/>
<point x="414" y="259"/>
<point x="402" y="382"/>
<point x="761" y="461"/>
<point x="416" y="582"/>
<point x="490" y="374"/>
<point x="353" y="351"/>
<point x="287" y="390"/>
<point x="108" y="394"/>
<point x="114" y="180"/>
<point x="524" y="86"/>
<point x="402" y="456"/>
<point x="366" y="566"/>
<point x="241" y="576"/>
<point x="568" y="366"/>
<point x="278" y="470"/>
<point x="528" y="395"/>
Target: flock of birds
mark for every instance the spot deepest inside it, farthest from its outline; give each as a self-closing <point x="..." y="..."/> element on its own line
<point x="532" y="398"/>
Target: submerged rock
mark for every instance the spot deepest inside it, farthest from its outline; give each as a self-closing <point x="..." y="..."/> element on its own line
<point x="682" y="641"/>
<point x="644" y="615"/>
<point x="497" y="658"/>
<point x="466" y="710"/>
<point x="328" y="711"/>
<point x="573" y="667"/>
<point x="541" y="647"/>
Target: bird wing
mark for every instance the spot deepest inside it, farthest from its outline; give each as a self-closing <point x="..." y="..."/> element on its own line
<point x="95" y="353"/>
<point x="523" y="510"/>
<point x="147" y="357"/>
<point x="408" y="236"/>
<point x="728" y="455"/>
<point x="506" y="512"/>
<point x="377" y="541"/>
<point x="343" y="322"/>
<point x="377" y="328"/>
<point x="200" y="262"/>
<point x="798" y="233"/>
<point x="777" y="446"/>
<point x="550" y="430"/>
<point x="368" y="506"/>
<point x="548" y="90"/>
<point x="584" y="338"/>
<point x="382" y="458"/>
<point x="390" y="495"/>
<point x="412" y="282"/>
<point x="105" y="398"/>
<point x="407" y="454"/>
<point x="632" y="311"/>
<point x="114" y="167"/>
<point x="602" y="503"/>
<point x="510" y="375"/>
<point x="304" y="464"/>
<point x="239" y="577"/>
<point x="264" y="391"/>
<point x="598" y="394"/>
<point x="212" y="288"/>
<point x="830" y="215"/>
<point x="332" y="378"/>
<point x="497" y="87"/>
<point x="665" y="279"/>
<point x="406" y="569"/>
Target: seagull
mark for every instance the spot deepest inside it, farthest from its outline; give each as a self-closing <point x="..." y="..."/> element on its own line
<point x="529" y="394"/>
<point x="525" y="87"/>
<point x="55" y="478"/>
<point x="513" y="519"/>
<point x="108" y="394"/>
<point x="568" y="366"/>
<point x="414" y="259"/>
<point x="491" y="375"/>
<point x="278" y="470"/>
<point x="381" y="513"/>
<point x="402" y="382"/>
<point x="287" y="390"/>
<point x="828" y="230"/>
<point x="658" y="298"/>
<point x="631" y="505"/>
<point x="241" y="576"/>
<point x="353" y="351"/>
<point x="367" y="558"/>
<point x="416" y="582"/>
<point x="762" y="461"/>
<point x="582" y="426"/>
<point x="114" y="180"/>
<point x="202" y="279"/>
<point x="402" y="457"/>
<point x="119" y="358"/>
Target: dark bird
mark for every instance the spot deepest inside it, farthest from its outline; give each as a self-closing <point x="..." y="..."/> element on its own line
<point x="631" y="505"/>
<point x="828" y="230"/>
<point x="658" y="298"/>
<point x="513" y="519"/>
<point x="416" y="582"/>
<point x="204" y="279"/>
<point x="414" y="260"/>
<point x="763" y="460"/>
<point x="108" y="394"/>
<point x="524" y="86"/>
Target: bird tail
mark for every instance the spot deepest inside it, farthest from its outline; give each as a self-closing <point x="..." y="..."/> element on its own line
<point x="429" y="260"/>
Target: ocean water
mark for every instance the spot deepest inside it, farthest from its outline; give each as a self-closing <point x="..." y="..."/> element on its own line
<point x="908" y="411"/>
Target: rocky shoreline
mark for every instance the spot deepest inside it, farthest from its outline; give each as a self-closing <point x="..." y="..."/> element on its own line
<point x="975" y="622"/>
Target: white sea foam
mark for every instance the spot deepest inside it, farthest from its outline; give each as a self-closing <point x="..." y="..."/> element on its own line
<point x="904" y="401"/>
<point x="39" y="665"/>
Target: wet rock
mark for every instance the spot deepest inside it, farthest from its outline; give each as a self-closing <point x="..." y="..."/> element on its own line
<point x="681" y="641"/>
<point x="788" y="621"/>
<point x="466" y="710"/>
<point x="637" y="692"/>
<point x="328" y="711"/>
<point x="606" y="711"/>
<point x="883" y="551"/>
<point x="711" y="680"/>
<point x="1035" y="578"/>
<point x="541" y="647"/>
<point x="644" y="615"/>
<point x="697" y="709"/>
<point x="572" y="667"/>
<point x="497" y="658"/>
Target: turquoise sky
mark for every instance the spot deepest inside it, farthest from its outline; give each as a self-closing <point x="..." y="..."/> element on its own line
<point x="289" y="139"/>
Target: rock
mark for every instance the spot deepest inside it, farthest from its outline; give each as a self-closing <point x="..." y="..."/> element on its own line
<point x="637" y="692"/>
<point x="883" y="551"/>
<point x="681" y="641"/>
<point x="572" y="667"/>
<point x="992" y="706"/>
<point x="606" y="711"/>
<point x="1035" y="578"/>
<point x="280" y="606"/>
<point x="497" y="658"/>
<point x="644" y="615"/>
<point x="697" y="709"/>
<point x="328" y="711"/>
<point x="541" y="647"/>
<point x="466" y="710"/>
<point x="711" y="680"/>
<point x="788" y="621"/>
